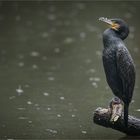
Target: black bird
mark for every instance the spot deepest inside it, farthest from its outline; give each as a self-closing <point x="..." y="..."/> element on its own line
<point x="118" y="63"/>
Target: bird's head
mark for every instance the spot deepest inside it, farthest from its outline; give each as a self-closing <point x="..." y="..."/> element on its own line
<point x="118" y="25"/>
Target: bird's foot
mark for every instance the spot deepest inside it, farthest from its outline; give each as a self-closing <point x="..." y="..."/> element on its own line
<point x="116" y="108"/>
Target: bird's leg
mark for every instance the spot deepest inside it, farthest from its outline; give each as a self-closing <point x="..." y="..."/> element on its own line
<point x="115" y="107"/>
<point x="126" y="106"/>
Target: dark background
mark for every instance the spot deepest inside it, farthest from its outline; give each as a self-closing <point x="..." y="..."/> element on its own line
<point x="51" y="73"/>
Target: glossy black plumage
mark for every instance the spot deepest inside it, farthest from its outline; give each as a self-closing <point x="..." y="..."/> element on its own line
<point x="118" y="64"/>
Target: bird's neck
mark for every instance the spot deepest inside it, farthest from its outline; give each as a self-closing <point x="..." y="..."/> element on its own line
<point x="109" y="37"/>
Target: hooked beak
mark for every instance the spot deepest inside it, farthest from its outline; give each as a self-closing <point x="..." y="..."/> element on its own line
<point x="112" y="24"/>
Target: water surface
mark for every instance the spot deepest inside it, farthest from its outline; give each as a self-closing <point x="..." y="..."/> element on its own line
<point x="51" y="73"/>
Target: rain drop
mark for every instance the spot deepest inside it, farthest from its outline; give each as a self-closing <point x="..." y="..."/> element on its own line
<point x="62" y="98"/>
<point x="21" y="64"/>
<point x="52" y="131"/>
<point x="29" y="103"/>
<point x="94" y="84"/>
<point x="138" y="110"/>
<point x="82" y="35"/>
<point x="21" y="108"/>
<point x="45" y="35"/>
<point x="34" y="66"/>
<point x="19" y="90"/>
<point x="84" y="132"/>
<point x="57" y="50"/>
<point x="12" y="97"/>
<point x="51" y="78"/>
<point x="22" y="118"/>
<point x="58" y="115"/>
<point x="46" y="94"/>
<point x="34" y="54"/>
<point x="29" y="121"/>
<point x="68" y="40"/>
<point x="73" y="115"/>
<point x="48" y="108"/>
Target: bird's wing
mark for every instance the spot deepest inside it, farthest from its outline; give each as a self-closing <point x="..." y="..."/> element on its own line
<point x="126" y="71"/>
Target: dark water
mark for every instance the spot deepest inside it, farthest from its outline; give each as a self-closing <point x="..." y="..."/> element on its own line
<point x="51" y="73"/>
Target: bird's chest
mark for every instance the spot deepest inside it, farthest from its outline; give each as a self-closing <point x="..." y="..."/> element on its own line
<point x="109" y="55"/>
<point x="109" y="61"/>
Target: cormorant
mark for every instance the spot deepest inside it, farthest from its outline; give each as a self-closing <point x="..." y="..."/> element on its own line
<point x="118" y="63"/>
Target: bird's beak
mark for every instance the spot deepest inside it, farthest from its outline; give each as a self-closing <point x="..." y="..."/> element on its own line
<point x="112" y="24"/>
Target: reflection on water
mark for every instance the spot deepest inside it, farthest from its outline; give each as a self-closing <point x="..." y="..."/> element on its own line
<point x="51" y="72"/>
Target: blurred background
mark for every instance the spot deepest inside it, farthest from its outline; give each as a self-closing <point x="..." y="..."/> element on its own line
<point x="51" y="73"/>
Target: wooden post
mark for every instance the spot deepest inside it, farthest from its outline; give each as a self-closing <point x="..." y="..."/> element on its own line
<point x="102" y="117"/>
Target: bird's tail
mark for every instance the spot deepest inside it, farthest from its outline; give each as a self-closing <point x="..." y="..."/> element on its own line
<point x="126" y="106"/>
